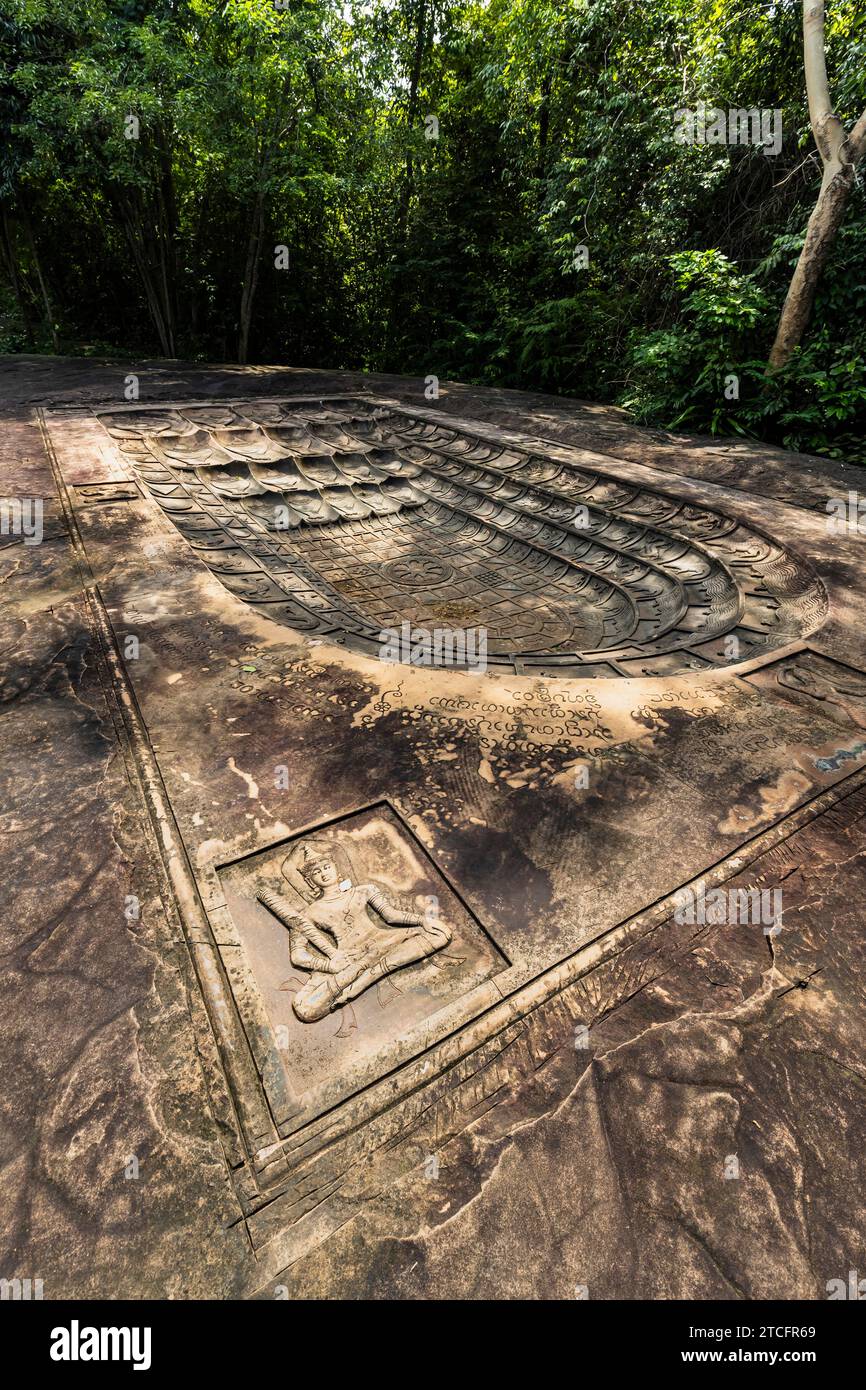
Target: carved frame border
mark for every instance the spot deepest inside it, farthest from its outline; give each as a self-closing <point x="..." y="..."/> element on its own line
<point x="261" y="1155"/>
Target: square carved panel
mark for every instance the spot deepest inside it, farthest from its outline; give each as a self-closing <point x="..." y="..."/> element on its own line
<point x="353" y="955"/>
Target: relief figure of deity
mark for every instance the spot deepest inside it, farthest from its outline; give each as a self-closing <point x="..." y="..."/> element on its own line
<point x="347" y="934"/>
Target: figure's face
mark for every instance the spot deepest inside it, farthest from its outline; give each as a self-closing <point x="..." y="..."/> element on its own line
<point x="323" y="874"/>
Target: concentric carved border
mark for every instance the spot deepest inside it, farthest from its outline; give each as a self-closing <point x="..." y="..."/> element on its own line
<point x="761" y="601"/>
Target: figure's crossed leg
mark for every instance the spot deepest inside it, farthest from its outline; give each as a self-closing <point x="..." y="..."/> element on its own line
<point x="323" y="993"/>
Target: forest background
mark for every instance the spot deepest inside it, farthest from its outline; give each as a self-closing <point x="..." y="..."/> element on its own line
<point x="488" y="192"/>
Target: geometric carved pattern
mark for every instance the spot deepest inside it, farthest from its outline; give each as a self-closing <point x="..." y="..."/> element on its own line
<point x="340" y="517"/>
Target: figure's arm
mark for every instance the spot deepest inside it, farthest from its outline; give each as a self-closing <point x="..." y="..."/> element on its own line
<point x="300" y="956"/>
<point x="394" y="916"/>
<point x="301" y="933"/>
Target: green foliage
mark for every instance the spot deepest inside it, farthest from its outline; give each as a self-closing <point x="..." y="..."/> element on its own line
<point x="683" y="375"/>
<point x="817" y="404"/>
<point x="305" y="126"/>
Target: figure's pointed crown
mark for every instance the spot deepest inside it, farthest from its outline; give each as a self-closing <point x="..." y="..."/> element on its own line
<point x="310" y="852"/>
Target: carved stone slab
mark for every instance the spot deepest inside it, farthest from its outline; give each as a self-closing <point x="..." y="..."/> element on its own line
<point x="373" y="1024"/>
<point x="373" y="935"/>
<point x="344" y="517"/>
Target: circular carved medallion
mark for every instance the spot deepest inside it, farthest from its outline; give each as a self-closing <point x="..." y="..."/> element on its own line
<point x="418" y="572"/>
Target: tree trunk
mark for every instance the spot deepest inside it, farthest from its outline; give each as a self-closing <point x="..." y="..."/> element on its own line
<point x="151" y="290"/>
<point x="421" y="15"/>
<point x="10" y="256"/>
<point x="136" y="218"/>
<point x="840" y="154"/>
<point x="166" y="238"/>
<point x="412" y="111"/>
<point x="544" y="125"/>
<point x="824" y="223"/>
<point x="251" y="275"/>
<point x="43" y="288"/>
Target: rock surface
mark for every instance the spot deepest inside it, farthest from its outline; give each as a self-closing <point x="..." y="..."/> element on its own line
<point x="601" y="1097"/>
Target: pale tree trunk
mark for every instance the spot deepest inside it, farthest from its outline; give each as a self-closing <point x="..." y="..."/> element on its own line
<point x="840" y="154"/>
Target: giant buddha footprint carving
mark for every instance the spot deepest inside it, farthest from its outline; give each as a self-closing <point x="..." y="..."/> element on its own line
<point x="342" y="518"/>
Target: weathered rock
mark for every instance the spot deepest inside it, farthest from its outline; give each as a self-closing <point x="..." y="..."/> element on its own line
<point x="329" y="976"/>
